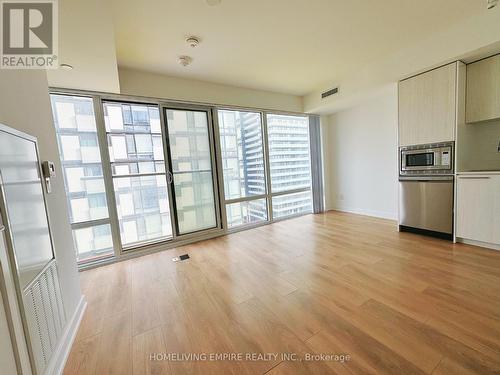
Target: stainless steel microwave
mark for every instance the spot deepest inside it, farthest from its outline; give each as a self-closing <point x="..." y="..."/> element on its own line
<point x="434" y="158"/>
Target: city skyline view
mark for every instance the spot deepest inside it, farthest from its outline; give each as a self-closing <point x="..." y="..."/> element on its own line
<point x="266" y="172"/>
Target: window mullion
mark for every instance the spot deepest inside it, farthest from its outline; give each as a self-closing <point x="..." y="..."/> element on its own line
<point x="246" y="199"/>
<point x="168" y="168"/>
<point x="213" y="162"/>
<point x="107" y="175"/>
<point x="219" y="168"/>
<point x="90" y="223"/>
<point x="286" y="192"/>
<point x="267" y="167"/>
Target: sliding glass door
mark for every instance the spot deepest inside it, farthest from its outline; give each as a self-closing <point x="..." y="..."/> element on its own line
<point x="138" y="172"/>
<point x="145" y="173"/>
<point x="190" y="147"/>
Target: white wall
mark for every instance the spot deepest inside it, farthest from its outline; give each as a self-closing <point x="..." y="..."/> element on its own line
<point x="360" y="156"/>
<point x="25" y="105"/>
<point x="86" y="41"/>
<point x="134" y="82"/>
<point x="474" y="38"/>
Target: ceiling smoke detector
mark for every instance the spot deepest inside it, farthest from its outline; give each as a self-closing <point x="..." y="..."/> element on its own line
<point x="192" y="41"/>
<point x="491" y="3"/>
<point x="185" y="60"/>
<point x="213" y="2"/>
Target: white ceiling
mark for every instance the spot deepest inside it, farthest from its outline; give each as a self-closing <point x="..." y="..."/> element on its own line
<point x="86" y="41"/>
<point x="287" y="46"/>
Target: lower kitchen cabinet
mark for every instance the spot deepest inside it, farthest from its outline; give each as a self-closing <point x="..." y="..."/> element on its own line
<point x="478" y="207"/>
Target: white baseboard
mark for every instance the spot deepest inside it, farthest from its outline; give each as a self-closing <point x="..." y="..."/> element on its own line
<point x="487" y="245"/>
<point x="61" y="353"/>
<point x="359" y="211"/>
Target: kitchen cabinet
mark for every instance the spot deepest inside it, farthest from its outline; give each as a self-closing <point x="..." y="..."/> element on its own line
<point x="483" y="90"/>
<point x="427" y="107"/>
<point x="478" y="207"/>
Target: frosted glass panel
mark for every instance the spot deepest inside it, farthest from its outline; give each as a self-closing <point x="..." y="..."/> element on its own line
<point x="192" y="169"/>
<point x="25" y="206"/>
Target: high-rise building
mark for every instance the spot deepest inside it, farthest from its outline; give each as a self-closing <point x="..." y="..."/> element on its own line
<point x="290" y="163"/>
<point x="253" y="163"/>
<point x="243" y="165"/>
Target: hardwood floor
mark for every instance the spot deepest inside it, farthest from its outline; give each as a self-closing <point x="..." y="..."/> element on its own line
<point x="396" y="303"/>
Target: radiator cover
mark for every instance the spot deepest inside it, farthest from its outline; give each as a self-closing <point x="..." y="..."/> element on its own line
<point x="44" y="314"/>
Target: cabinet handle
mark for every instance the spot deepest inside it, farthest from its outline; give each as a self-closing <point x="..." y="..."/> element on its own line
<point x="474" y="177"/>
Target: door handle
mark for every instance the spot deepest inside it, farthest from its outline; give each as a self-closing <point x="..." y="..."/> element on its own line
<point x="170" y="177"/>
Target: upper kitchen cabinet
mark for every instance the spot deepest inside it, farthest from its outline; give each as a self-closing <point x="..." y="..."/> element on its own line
<point x="427" y="106"/>
<point x="483" y="90"/>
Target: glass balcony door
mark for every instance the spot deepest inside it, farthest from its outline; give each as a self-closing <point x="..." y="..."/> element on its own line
<point x="191" y="156"/>
<point x="136" y="156"/>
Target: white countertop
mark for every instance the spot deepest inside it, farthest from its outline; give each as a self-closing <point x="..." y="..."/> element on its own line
<point x="478" y="173"/>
